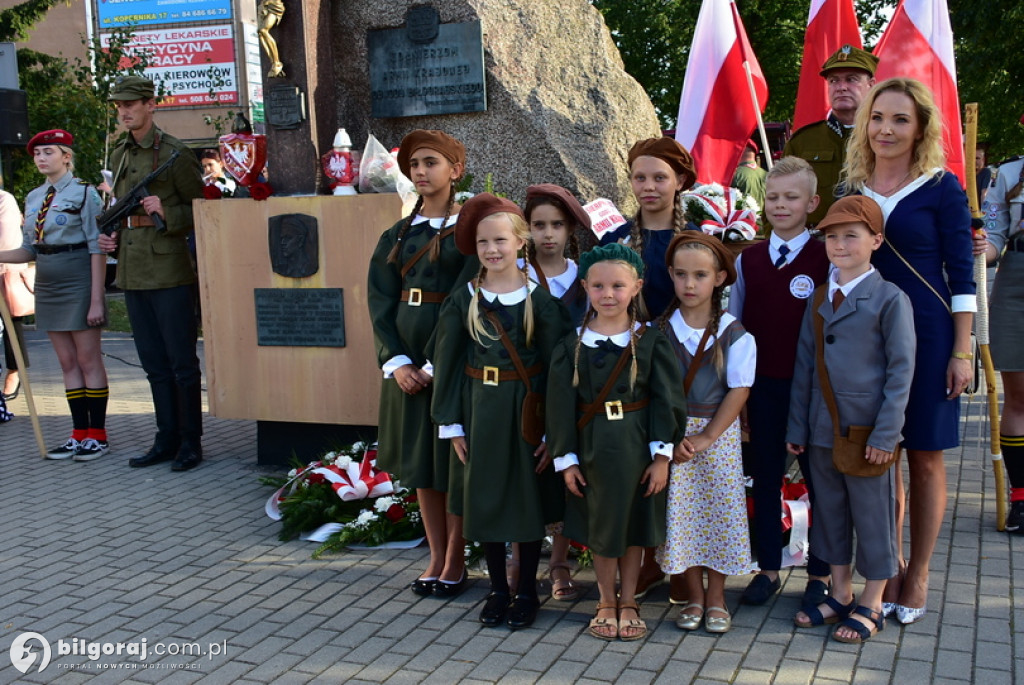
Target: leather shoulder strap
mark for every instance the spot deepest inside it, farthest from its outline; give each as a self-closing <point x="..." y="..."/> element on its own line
<point x="620" y="365"/>
<point x="426" y="248"/>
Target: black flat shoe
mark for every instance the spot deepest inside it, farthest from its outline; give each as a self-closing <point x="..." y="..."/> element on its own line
<point x="8" y="396"/>
<point x="446" y="590"/>
<point x="155" y="455"/>
<point x="188" y="458"/>
<point x="522" y="612"/>
<point x="760" y="589"/>
<point x="423" y="587"/>
<point x="495" y="608"/>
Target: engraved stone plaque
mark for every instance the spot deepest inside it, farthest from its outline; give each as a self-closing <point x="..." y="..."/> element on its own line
<point x="442" y="76"/>
<point x="284" y="106"/>
<point x="300" y="317"/>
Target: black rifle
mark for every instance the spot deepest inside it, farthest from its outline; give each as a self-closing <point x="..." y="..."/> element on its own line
<point x="110" y="220"/>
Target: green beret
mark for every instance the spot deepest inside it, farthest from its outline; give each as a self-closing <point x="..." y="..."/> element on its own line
<point x="610" y="252"/>
<point x="849" y="57"/>
<point x="132" y="88"/>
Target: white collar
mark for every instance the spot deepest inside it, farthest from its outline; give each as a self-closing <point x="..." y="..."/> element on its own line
<point x="435" y="222"/>
<point x="591" y="338"/>
<point x="795" y="244"/>
<point x="684" y="332"/>
<point x="889" y="203"/>
<point x="847" y="288"/>
<point x="507" y="299"/>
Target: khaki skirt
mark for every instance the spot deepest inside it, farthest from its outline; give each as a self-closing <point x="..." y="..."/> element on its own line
<point x="63" y="291"/>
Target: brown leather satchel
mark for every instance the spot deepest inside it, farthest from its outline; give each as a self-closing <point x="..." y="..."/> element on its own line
<point x="532" y="413"/>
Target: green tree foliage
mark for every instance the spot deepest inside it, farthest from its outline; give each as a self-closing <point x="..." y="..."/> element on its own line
<point x="17" y="21"/>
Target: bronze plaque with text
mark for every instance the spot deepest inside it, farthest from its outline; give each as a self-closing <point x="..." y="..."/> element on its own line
<point x="300" y="317"/>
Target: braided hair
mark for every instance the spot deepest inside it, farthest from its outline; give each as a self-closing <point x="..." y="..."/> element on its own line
<point x="716" y="307"/>
<point x="435" y="247"/>
<point x="474" y="318"/>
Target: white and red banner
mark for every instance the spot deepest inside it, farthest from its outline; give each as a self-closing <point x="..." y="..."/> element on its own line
<point x="831" y="24"/>
<point x="196" y="65"/>
<point x="918" y="43"/>
<point x="717" y="111"/>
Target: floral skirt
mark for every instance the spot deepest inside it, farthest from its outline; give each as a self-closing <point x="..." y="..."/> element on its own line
<point x="707" y="513"/>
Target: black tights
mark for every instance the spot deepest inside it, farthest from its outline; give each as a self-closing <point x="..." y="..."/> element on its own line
<point x="529" y="560"/>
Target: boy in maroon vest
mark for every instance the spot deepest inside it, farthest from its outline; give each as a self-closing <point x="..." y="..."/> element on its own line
<point x="775" y="280"/>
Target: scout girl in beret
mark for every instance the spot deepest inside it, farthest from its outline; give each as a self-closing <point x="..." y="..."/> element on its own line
<point x="614" y="412"/>
<point x="494" y="342"/>
<point x="413" y="269"/>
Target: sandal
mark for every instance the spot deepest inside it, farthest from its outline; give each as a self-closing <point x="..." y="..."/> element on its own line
<point x="562" y="589"/>
<point x="817" y="618"/>
<point x="864" y="632"/>
<point x="598" y="624"/>
<point x="636" y="624"/>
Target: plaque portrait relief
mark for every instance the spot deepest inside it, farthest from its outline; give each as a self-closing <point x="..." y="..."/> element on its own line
<point x="294" y="245"/>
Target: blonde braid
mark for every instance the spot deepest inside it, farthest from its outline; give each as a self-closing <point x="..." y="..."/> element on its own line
<point x="397" y="249"/>
<point x="435" y="247"/>
<point x="474" y="322"/>
<point x="632" y="348"/>
<point x="528" y="309"/>
<point x="636" y="240"/>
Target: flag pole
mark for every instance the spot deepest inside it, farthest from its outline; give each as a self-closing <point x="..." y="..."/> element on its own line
<point x="757" y="113"/>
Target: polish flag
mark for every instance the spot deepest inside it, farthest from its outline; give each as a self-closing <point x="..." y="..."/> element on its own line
<point x="918" y="43"/>
<point x="716" y="112"/>
<point x="831" y="24"/>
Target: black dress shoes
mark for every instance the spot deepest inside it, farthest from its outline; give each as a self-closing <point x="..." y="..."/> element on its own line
<point x="188" y="457"/>
<point x="446" y="590"/>
<point x="495" y="609"/>
<point x="423" y="587"/>
<point x="522" y="612"/>
<point x="760" y="590"/>
<point x="155" y="455"/>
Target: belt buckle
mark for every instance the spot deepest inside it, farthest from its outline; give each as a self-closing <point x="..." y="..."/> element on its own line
<point x="491" y="375"/>
<point x="613" y="410"/>
<point x="415" y="297"/>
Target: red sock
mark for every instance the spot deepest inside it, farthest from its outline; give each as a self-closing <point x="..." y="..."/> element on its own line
<point x="1017" y="494"/>
<point x="80" y="434"/>
<point x="99" y="434"/>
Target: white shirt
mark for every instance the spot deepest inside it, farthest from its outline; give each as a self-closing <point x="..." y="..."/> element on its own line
<point x="742" y="359"/>
<point x="738" y="289"/>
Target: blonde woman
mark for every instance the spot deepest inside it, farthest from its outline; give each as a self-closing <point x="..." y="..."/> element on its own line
<point x="895" y="157"/>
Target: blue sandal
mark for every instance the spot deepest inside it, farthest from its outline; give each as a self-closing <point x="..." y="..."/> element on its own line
<point x="814" y="613"/>
<point x="864" y="633"/>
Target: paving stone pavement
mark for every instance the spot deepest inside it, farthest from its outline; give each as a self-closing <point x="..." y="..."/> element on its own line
<point x="102" y="553"/>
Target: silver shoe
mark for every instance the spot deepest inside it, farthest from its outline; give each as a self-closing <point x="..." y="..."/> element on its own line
<point x="717" y="624"/>
<point x="688" y="621"/>
<point x="889" y="608"/>
<point x="908" y="615"/>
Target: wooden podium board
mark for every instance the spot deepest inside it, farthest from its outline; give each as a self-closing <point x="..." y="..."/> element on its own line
<point x="280" y="383"/>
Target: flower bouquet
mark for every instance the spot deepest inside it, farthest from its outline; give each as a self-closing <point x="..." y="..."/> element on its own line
<point x="727" y="213"/>
<point x="342" y="500"/>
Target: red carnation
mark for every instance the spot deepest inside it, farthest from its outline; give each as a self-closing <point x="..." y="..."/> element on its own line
<point x="395" y="513"/>
<point x="316" y="478"/>
<point x="212" y="192"/>
<point x="260" y="191"/>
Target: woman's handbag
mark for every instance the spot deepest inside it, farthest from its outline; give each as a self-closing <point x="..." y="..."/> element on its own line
<point x="19" y="286"/>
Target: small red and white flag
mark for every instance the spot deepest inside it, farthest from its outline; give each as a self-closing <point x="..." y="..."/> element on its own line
<point x="717" y="110"/>
<point x="918" y="43"/>
<point x="831" y="24"/>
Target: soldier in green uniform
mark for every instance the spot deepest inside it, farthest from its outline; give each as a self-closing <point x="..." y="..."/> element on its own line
<point x="850" y="73"/>
<point x="157" y="274"/>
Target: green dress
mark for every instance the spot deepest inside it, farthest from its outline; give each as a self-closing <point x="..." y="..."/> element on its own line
<point x="408" y="443"/>
<point x="504" y="500"/>
<point x="613" y="514"/>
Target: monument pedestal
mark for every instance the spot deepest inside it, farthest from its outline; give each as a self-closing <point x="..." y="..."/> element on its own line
<point x="286" y="386"/>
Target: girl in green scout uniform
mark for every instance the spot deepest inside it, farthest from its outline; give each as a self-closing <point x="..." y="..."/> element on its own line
<point x="494" y="342"/>
<point x="614" y="412"/>
<point x="60" y="235"/>
<point x="707" y="516"/>
<point x="412" y="270"/>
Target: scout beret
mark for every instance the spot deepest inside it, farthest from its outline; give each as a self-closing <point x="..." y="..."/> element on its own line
<point x="132" y="88"/>
<point x="849" y="57"/>
<point x="668" y="151"/>
<point x="453" y="150"/>
<point x="571" y="204"/>
<point x="854" y="209"/>
<point x="474" y="210"/>
<point x="726" y="262"/>
<point x="53" y="137"/>
<point x="610" y="252"/>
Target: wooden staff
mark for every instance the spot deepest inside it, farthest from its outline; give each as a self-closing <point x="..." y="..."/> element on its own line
<point x="981" y="282"/>
<point x="5" y="312"/>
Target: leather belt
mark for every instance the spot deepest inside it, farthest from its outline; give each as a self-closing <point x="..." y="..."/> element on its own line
<point x="492" y="375"/>
<point x="415" y="297"/>
<point x="615" y="410"/>
<point x="138" y="222"/>
<point x="43" y="248"/>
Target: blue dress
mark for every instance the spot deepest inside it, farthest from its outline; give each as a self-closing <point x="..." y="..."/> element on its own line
<point x="929" y="224"/>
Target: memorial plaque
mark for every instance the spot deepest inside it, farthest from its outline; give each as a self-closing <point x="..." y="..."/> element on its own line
<point x="284" y="106"/>
<point x="300" y="317"/>
<point x="442" y="76"/>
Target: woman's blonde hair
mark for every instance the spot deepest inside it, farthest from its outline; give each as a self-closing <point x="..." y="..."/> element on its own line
<point x="927" y="153"/>
<point x="474" y="316"/>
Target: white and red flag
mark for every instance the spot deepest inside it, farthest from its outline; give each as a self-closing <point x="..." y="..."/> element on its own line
<point x="831" y="24"/>
<point x="717" y="112"/>
<point x="918" y="43"/>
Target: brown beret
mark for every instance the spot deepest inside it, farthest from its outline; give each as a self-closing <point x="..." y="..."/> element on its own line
<point x="726" y="261"/>
<point x="473" y="211"/>
<point x="453" y="150"/>
<point x="854" y="209"/>
<point x="849" y="57"/>
<point x="670" y="152"/>
<point x="559" y="193"/>
<point x="53" y="137"/>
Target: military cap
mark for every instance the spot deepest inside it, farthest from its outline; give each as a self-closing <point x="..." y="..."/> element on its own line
<point x="52" y="137"/>
<point x="132" y="88"/>
<point x="849" y="57"/>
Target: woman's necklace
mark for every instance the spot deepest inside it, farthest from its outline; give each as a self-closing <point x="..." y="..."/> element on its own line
<point x="893" y="189"/>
